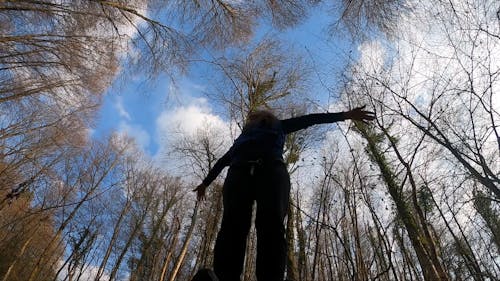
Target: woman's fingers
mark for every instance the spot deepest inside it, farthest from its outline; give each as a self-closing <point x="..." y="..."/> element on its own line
<point x="368" y="115"/>
<point x="200" y="192"/>
<point x="360" y="114"/>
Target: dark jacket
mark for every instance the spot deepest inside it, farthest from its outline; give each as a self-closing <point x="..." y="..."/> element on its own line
<point x="267" y="143"/>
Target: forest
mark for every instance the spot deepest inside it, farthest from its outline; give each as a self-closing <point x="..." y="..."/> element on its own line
<point x="413" y="195"/>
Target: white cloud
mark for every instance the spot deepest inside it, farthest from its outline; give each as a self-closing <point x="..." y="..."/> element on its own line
<point x="186" y="123"/>
<point x="188" y="119"/>
<point x="373" y="56"/>
<point x="118" y="105"/>
<point x="136" y="132"/>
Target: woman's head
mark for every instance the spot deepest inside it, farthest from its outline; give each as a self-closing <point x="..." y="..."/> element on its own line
<point x="260" y="118"/>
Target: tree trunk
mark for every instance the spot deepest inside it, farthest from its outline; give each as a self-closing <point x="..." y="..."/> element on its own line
<point x="170" y="251"/>
<point x="291" y="268"/>
<point x="414" y="232"/>
<point x="182" y="255"/>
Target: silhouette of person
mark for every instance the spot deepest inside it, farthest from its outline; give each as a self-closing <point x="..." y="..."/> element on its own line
<point x="258" y="173"/>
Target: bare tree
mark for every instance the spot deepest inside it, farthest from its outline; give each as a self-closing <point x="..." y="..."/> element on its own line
<point x="200" y="150"/>
<point x="436" y="133"/>
<point x="360" y="18"/>
<point x="264" y="76"/>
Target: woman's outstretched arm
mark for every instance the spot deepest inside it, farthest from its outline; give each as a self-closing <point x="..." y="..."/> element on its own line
<point x="224" y="161"/>
<point x="302" y="122"/>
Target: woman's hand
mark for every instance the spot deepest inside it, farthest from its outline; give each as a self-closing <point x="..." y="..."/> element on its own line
<point x="358" y="114"/>
<point x="200" y="192"/>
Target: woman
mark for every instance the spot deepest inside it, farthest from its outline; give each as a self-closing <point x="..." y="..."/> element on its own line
<point x="258" y="173"/>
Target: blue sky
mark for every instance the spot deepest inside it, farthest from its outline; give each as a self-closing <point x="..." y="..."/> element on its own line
<point x="136" y="108"/>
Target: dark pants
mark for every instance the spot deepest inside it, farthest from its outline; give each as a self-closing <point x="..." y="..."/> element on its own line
<point x="269" y="186"/>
